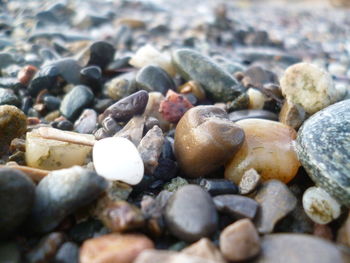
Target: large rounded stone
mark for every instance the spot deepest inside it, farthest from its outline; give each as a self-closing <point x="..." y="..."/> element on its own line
<point x="16" y="199"/>
<point x="323" y="148"/>
<point x="295" y="248"/>
<point x="190" y="214"/>
<point x="205" y="139"/>
<point x="218" y="83"/>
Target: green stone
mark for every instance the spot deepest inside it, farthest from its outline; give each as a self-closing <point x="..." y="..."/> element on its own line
<point x="217" y="83"/>
<point x="323" y="148"/>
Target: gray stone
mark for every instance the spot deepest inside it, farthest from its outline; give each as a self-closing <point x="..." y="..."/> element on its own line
<point x="87" y="121"/>
<point x="61" y="193"/>
<point x="190" y="214"/>
<point x="133" y="130"/>
<point x="67" y="253"/>
<point x="276" y="201"/>
<point x="7" y="96"/>
<point x="16" y="199"/>
<point x="295" y="248"/>
<point x="153" y="78"/>
<point x="218" y="84"/>
<point x="74" y="102"/>
<point x="237" y="206"/>
<point x="323" y="148"/>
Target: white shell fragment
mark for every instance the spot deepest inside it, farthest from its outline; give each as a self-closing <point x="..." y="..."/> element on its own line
<point x="320" y="206"/>
<point x="117" y="158"/>
<point x="310" y="86"/>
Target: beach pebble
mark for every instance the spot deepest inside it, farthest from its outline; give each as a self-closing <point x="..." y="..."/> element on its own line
<point x="205" y="249"/>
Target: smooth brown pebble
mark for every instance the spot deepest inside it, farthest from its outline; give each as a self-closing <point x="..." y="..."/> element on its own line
<point x="240" y="241"/>
<point x="204" y="248"/>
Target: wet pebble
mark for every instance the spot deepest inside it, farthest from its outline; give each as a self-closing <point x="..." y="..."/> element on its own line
<point x="74" y="102"/>
<point x="117" y="158"/>
<point x="190" y="214"/>
<point x="240" y="241"/>
<point x="61" y="193"/>
<point x="16" y="199"/>
<point x="271" y="211"/>
<point x="205" y="129"/>
<point x="114" y="248"/>
<point x="236" y="206"/>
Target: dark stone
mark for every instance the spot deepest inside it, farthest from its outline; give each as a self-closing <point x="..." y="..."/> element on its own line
<point x="85" y="230"/>
<point x="65" y="125"/>
<point x="111" y="126"/>
<point x="74" y="102"/>
<point x="218" y="186"/>
<point x="190" y="214"/>
<point x="61" y="193"/>
<point x="51" y="102"/>
<point x="218" y="84"/>
<point x="10" y="83"/>
<point x="295" y="248"/>
<point x="9" y="252"/>
<point x="257" y="76"/>
<point x="101" y="54"/>
<point x="255" y="114"/>
<point x="7" y="96"/>
<point x="166" y="169"/>
<point x="125" y="109"/>
<point x="236" y="206"/>
<point x="91" y="76"/>
<point x="16" y="199"/>
<point x="153" y="78"/>
<point x="323" y="148"/>
<point x="67" y="253"/>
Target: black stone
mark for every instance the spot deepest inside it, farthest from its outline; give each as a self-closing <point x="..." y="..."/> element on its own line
<point x="85" y="230"/>
<point x="101" y="54"/>
<point x="74" y="102"/>
<point x="126" y="108"/>
<point x="65" y="125"/>
<point x="153" y="78"/>
<point x="91" y="76"/>
<point x="190" y="214"/>
<point x="218" y="186"/>
<point x="255" y="114"/>
<point x="236" y="206"/>
<point x="166" y="169"/>
<point x="51" y="102"/>
<point x="16" y="199"/>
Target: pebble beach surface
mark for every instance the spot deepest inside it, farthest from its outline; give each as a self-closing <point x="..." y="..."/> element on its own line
<point x="175" y="132"/>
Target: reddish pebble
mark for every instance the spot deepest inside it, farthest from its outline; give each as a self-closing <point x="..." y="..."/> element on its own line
<point x="174" y="106"/>
<point x="323" y="231"/>
<point x="33" y="120"/>
<point x="26" y="74"/>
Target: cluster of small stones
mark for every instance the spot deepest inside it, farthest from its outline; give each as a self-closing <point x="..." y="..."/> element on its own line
<point x="115" y="150"/>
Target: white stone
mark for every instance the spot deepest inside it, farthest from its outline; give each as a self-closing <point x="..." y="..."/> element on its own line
<point x="256" y="99"/>
<point x="320" y="206"/>
<point x="117" y="158"/>
<point x="310" y="86"/>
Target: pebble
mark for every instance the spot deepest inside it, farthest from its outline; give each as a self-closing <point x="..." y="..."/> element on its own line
<point x="249" y="182"/>
<point x="67" y="253"/>
<point x="256" y="99"/>
<point x="218" y="84"/>
<point x="252" y="114"/>
<point x="74" y="102"/>
<point x="13" y="124"/>
<point x="218" y="186"/>
<point x="151" y="256"/>
<point x="309" y="86"/>
<point x="295" y="248"/>
<point x="101" y="54"/>
<point x="320" y="206"/>
<point x="190" y="214"/>
<point x="46" y="249"/>
<point x="268" y="148"/>
<point x="133" y="130"/>
<point x="205" y="129"/>
<point x="61" y="193"/>
<point x="205" y="249"/>
<point x="240" y="241"/>
<point x="271" y="211"/>
<point x="148" y="55"/>
<point x="323" y="148"/>
<point x="175" y="184"/>
<point x="52" y="103"/>
<point x="87" y="122"/>
<point x="120" y="86"/>
<point x="119" y="216"/>
<point x="9" y="252"/>
<point x="16" y="199"/>
<point x="117" y="158"/>
<point x="174" y="106"/>
<point x="152" y="109"/>
<point x="126" y="108"/>
<point x="8" y="97"/>
<point x="114" y="248"/>
<point x="153" y="78"/>
<point x="236" y="206"/>
<point x="292" y="115"/>
<point x="91" y="76"/>
<point x="50" y="154"/>
<point x="150" y="148"/>
<point x="343" y="235"/>
<point x="192" y="87"/>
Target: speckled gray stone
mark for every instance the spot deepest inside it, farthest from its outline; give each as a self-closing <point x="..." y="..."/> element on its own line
<point x="323" y="148"/>
<point x="218" y="84"/>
